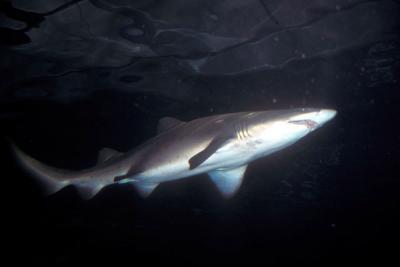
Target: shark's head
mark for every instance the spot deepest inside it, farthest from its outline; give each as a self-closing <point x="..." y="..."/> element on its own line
<point x="275" y="130"/>
<point x="309" y="119"/>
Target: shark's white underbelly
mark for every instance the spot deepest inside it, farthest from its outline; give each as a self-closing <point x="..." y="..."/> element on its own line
<point x="229" y="157"/>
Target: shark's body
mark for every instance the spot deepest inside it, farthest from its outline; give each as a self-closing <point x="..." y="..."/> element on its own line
<point x="220" y="145"/>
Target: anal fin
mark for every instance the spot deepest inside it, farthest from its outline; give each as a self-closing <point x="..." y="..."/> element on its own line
<point x="87" y="191"/>
<point x="145" y="188"/>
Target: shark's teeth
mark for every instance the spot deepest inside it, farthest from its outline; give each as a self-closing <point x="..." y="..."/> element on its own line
<point x="310" y="124"/>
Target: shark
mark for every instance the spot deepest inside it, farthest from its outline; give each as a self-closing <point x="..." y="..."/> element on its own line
<point x="220" y="145"/>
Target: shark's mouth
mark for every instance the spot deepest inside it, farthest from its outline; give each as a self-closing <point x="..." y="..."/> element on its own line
<point x="310" y="124"/>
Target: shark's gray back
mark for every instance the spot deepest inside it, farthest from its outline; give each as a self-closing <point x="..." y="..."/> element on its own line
<point x="188" y="138"/>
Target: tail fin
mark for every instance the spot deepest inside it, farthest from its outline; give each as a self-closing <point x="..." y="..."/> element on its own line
<point x="51" y="178"/>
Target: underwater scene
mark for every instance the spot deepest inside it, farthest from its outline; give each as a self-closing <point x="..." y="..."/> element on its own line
<point x="200" y="133"/>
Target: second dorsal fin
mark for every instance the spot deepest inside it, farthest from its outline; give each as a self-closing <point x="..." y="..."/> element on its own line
<point x="107" y="154"/>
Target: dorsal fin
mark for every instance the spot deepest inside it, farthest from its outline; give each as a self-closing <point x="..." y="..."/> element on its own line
<point x="107" y="154"/>
<point x="167" y="123"/>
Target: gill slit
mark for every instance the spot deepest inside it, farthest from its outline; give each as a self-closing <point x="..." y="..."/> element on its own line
<point x="242" y="124"/>
<point x="247" y="128"/>
<point x="241" y="131"/>
<point x="238" y="131"/>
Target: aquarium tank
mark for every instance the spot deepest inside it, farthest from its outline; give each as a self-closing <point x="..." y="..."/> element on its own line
<point x="200" y="133"/>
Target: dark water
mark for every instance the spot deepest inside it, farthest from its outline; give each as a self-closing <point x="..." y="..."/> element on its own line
<point x="84" y="75"/>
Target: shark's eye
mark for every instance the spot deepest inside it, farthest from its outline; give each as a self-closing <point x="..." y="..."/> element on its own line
<point x="310" y="124"/>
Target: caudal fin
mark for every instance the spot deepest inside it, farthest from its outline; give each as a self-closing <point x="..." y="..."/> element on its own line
<point x="51" y="178"/>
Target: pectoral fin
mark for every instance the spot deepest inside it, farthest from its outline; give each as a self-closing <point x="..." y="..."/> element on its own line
<point x="203" y="155"/>
<point x="228" y="181"/>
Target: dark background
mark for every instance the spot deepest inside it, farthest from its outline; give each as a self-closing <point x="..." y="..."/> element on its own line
<point x="80" y="75"/>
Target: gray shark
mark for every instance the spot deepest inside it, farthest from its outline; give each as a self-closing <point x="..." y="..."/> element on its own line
<point x="221" y="146"/>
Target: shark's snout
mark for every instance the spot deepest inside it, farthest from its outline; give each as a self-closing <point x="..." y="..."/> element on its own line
<point x="315" y="119"/>
<point x="324" y="115"/>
